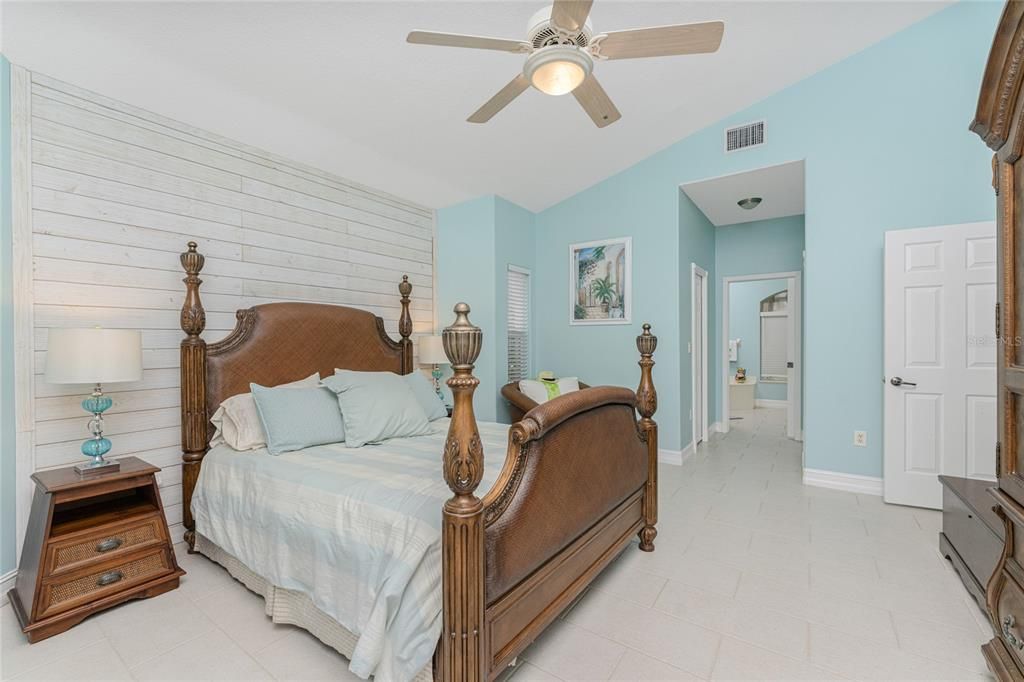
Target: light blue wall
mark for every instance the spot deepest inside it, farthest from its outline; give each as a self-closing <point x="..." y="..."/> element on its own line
<point x="696" y="246"/>
<point x="754" y="248"/>
<point x="8" y="549"/>
<point x="884" y="135"/>
<point x="476" y="242"/>
<point x="465" y="248"/>
<point x="628" y="205"/>
<point x="759" y="247"/>
<point x="515" y="244"/>
<point x="745" y="324"/>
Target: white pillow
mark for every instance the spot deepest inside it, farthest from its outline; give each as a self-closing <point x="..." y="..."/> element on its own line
<point x="238" y="422"/>
<point x="537" y="391"/>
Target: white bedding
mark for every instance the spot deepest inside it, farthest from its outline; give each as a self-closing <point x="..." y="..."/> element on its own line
<point x="356" y="529"/>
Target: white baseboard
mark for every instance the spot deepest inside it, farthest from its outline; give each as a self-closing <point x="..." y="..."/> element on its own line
<point x="671" y="456"/>
<point x="853" y="483"/>
<point x="7" y="584"/>
<point x="716" y="427"/>
<point x="772" y="404"/>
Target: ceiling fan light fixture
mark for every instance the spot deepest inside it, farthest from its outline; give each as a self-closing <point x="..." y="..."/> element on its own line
<point x="558" y="69"/>
<point x="749" y="204"/>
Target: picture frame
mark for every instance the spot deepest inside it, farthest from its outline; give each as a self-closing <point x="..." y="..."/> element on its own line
<point x="601" y="282"/>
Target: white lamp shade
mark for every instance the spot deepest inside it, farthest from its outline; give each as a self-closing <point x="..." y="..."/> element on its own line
<point x="432" y="351"/>
<point x="93" y="356"/>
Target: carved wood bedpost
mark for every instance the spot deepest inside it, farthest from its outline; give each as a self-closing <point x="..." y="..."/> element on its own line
<point x="462" y="651"/>
<point x="405" y="325"/>
<point x="193" y="386"/>
<point x="647" y="405"/>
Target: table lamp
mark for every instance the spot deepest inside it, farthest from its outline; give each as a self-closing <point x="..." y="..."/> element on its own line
<point x="94" y="356"/>
<point x="432" y="353"/>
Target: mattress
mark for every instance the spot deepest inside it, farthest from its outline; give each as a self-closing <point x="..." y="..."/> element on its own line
<point x="356" y="530"/>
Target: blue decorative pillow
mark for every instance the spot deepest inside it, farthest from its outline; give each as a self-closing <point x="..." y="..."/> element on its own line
<point x="296" y="418"/>
<point x="424" y="391"/>
<point x="376" y="406"/>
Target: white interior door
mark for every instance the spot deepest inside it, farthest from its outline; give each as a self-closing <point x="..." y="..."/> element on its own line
<point x="940" y="352"/>
<point x="698" y="349"/>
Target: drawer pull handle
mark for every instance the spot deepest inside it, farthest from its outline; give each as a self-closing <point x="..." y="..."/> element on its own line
<point x="109" y="544"/>
<point x="109" y="578"/>
<point x="1009" y="622"/>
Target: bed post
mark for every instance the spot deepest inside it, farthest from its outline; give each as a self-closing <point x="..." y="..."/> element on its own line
<point x="462" y="651"/>
<point x="405" y="325"/>
<point x="647" y="404"/>
<point x="193" y="387"/>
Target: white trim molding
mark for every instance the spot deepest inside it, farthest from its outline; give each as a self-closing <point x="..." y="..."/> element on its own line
<point x="851" y="483"/>
<point x="7" y="584"/>
<point x="676" y="457"/>
<point x="771" y="404"/>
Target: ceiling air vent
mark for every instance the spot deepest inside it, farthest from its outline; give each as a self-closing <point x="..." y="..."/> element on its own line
<point x="744" y="136"/>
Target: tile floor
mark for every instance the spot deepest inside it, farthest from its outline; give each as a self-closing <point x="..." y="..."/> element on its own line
<point x="755" y="577"/>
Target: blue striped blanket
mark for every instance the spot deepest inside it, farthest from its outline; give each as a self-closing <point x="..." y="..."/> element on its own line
<point x="356" y="529"/>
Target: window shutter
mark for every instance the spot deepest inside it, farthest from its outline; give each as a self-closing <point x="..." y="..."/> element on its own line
<point x="518" y="316"/>
<point x="774" y="342"/>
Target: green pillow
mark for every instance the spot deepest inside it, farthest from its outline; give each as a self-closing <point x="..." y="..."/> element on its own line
<point x="296" y="418"/>
<point x="376" y="406"/>
<point x="424" y="391"/>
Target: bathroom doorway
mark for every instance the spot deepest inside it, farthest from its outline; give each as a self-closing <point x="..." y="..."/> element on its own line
<point x="761" y="349"/>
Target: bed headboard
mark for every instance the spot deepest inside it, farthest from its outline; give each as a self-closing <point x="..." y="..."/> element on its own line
<point x="272" y="344"/>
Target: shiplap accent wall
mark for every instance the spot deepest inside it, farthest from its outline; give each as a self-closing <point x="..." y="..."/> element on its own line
<point x="115" y="194"/>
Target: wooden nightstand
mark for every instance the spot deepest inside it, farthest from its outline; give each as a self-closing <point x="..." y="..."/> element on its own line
<point x="91" y="543"/>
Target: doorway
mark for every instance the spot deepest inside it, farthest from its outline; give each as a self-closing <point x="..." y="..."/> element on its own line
<point x="699" y="353"/>
<point x="761" y="347"/>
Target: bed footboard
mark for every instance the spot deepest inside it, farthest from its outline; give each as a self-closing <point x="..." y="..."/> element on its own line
<point x="578" y="481"/>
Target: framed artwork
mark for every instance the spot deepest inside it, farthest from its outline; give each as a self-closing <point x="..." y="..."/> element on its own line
<point x="600" y="279"/>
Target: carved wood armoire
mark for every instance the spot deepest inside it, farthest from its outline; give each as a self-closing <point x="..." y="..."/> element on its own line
<point x="1000" y="123"/>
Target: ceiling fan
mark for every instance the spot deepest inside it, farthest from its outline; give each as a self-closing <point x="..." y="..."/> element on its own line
<point x="562" y="47"/>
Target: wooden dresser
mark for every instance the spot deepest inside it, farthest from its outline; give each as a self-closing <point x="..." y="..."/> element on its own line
<point x="999" y="121"/>
<point x="91" y="543"/>
<point x="972" y="533"/>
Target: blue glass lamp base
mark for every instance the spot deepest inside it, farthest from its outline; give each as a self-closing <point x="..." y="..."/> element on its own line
<point x="97" y="446"/>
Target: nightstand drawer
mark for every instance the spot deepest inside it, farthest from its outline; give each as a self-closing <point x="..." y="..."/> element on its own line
<point x="112" y="577"/>
<point x="103" y="544"/>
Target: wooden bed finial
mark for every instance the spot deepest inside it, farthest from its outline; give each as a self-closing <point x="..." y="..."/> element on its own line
<point x="462" y="651"/>
<point x="405" y="324"/>
<point x="193" y="383"/>
<point x="647" y="405"/>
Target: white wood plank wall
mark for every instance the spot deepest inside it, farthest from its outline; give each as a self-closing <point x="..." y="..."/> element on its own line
<point x="116" y="192"/>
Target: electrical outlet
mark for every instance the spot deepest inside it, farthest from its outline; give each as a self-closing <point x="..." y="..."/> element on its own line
<point x="860" y="439"/>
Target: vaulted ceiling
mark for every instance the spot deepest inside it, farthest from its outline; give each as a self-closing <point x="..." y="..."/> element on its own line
<point x="335" y="85"/>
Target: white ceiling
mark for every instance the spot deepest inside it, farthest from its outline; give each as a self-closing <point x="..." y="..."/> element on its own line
<point x="781" y="189"/>
<point x="334" y="84"/>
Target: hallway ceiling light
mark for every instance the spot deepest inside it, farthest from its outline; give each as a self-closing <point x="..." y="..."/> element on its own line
<point x="749" y="203"/>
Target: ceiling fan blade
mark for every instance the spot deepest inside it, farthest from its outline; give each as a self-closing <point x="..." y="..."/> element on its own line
<point x="501" y="100"/>
<point x="570" y="14"/>
<point x="596" y="103"/>
<point x="661" y="41"/>
<point x="459" y="40"/>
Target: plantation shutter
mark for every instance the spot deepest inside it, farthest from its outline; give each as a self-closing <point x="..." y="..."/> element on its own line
<point x="518" y="323"/>
<point x="774" y="332"/>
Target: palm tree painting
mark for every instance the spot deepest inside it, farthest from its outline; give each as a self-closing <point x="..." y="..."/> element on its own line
<point x="599" y="280"/>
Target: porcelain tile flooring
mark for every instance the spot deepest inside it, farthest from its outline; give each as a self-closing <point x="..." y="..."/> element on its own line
<point x="755" y="576"/>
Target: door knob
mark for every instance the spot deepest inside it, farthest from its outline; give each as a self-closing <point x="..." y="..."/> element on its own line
<point x="898" y="381"/>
